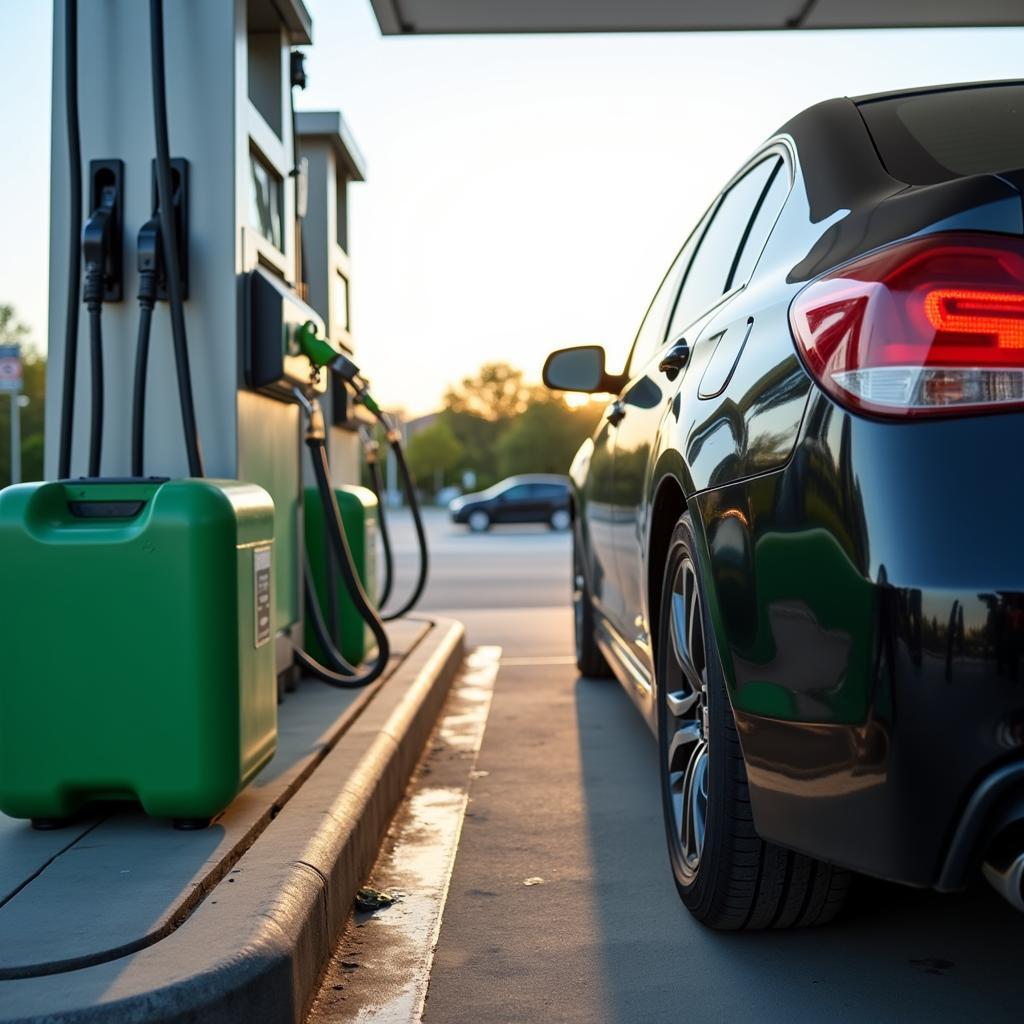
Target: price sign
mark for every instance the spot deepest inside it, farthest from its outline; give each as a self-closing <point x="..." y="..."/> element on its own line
<point x="10" y="368"/>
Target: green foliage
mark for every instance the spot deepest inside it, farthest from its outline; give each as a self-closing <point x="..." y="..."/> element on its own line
<point x="14" y="332"/>
<point x="507" y="426"/>
<point x="433" y="453"/>
<point x="545" y="437"/>
<point x="478" y="436"/>
<point x="496" y="393"/>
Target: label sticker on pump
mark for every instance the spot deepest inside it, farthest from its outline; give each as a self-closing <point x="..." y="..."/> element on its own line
<point x="261" y="590"/>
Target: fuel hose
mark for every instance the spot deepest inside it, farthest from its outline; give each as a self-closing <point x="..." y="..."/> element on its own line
<point x="372" y="452"/>
<point x="165" y="200"/>
<point x="409" y="489"/>
<point x="67" y="414"/>
<point x="321" y="354"/>
<point x="338" y="542"/>
<point x="323" y="635"/>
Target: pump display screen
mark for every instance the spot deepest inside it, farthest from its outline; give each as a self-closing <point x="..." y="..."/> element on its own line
<point x="265" y="194"/>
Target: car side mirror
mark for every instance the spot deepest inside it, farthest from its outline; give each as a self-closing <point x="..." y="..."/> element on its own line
<point x="579" y="369"/>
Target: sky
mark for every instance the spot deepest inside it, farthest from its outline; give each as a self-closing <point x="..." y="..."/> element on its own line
<point x="523" y="193"/>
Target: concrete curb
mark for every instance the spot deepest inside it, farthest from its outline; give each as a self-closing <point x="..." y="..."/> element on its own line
<point x="254" y="950"/>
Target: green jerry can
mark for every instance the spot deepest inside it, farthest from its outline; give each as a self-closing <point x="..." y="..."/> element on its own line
<point x="137" y="652"/>
<point x="358" y="507"/>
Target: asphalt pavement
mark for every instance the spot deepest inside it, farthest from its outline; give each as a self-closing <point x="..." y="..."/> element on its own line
<point x="560" y="904"/>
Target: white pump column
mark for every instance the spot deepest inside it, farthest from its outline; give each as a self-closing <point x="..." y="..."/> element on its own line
<point x="228" y="86"/>
<point x="334" y="161"/>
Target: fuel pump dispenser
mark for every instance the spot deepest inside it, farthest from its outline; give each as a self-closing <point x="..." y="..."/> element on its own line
<point x="157" y="682"/>
<point x="151" y="619"/>
<point x="334" y="162"/>
<point x="322" y="356"/>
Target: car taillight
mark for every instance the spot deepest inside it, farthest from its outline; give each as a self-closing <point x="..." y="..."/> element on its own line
<point x="930" y="326"/>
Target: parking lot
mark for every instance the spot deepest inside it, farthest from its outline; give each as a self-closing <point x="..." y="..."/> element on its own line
<point x="565" y="790"/>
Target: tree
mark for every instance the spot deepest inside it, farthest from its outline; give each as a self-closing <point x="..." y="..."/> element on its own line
<point x="496" y="393"/>
<point x="545" y="437"/>
<point x="478" y="437"/>
<point x="434" y="452"/>
<point x="14" y="332"/>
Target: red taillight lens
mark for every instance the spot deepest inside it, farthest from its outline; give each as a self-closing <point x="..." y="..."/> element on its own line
<point x="926" y="327"/>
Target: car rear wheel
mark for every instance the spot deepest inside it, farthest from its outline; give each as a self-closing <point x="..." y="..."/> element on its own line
<point x="728" y="877"/>
<point x="479" y="521"/>
<point x="560" y="519"/>
<point x="589" y="659"/>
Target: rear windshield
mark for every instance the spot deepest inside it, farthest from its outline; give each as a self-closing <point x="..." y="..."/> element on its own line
<point x="937" y="136"/>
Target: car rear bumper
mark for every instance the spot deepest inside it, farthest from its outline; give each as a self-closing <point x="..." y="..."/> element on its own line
<point x="869" y="609"/>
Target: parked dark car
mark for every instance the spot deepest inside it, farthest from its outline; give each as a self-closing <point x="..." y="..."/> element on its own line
<point x="798" y="526"/>
<point x="530" y="498"/>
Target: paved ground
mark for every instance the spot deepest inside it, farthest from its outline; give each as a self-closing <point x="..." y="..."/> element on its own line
<point x="509" y="567"/>
<point x="563" y="791"/>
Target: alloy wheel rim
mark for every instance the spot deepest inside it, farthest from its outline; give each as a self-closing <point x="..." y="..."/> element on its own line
<point x="686" y="716"/>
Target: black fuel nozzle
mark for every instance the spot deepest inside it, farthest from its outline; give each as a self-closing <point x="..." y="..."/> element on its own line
<point x="150" y="261"/>
<point x="97" y="249"/>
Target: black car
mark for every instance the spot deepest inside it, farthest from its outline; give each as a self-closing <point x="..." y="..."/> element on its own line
<point x="798" y="527"/>
<point x="530" y="498"/>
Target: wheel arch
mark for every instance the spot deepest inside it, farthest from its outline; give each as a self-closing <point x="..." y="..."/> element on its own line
<point x="671" y="490"/>
<point x="668" y="504"/>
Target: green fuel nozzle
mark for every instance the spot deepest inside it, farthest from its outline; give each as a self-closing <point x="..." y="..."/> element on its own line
<point x="321" y="353"/>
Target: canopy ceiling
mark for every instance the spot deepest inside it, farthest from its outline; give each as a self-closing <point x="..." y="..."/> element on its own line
<point x="424" y="17"/>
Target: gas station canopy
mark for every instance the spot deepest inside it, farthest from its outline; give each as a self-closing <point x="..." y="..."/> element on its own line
<point x="424" y="17"/>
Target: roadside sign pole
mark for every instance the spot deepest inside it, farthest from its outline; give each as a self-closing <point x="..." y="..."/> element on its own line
<point x="10" y="381"/>
<point x="15" y="437"/>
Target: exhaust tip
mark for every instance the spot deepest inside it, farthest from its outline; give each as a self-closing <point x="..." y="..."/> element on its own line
<point x="1006" y="876"/>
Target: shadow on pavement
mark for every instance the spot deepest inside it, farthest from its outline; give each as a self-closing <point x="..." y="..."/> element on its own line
<point x="896" y="955"/>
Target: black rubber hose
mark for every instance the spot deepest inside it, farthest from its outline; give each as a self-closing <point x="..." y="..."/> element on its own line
<point x="67" y="415"/>
<point x="167" y="228"/>
<point x="377" y="486"/>
<point x="139" y="395"/>
<point x="337" y="660"/>
<point x="409" y="487"/>
<point x="96" y="378"/>
<point x="331" y="583"/>
<point x="340" y="549"/>
<point x="311" y="667"/>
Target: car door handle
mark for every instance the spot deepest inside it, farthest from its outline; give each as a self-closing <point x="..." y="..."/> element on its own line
<point x="616" y="412"/>
<point x="675" y="359"/>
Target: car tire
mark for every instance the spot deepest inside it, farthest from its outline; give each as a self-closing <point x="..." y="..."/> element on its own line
<point x="725" y="874"/>
<point x="561" y="519"/>
<point x="589" y="659"/>
<point x="478" y="521"/>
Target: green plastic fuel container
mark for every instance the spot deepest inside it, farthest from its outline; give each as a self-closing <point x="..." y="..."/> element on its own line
<point x="137" y="653"/>
<point x="358" y="507"/>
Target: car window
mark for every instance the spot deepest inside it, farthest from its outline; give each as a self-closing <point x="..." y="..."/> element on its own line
<point x="709" y="273"/>
<point x="547" y="490"/>
<point x="926" y="138"/>
<point x="768" y="208"/>
<point x="651" y="335"/>
<point x="518" y="493"/>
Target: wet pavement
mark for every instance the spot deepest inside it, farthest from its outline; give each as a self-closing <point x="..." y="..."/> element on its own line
<point x="561" y="907"/>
